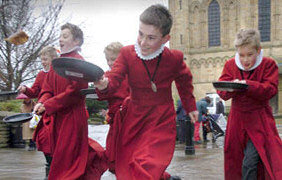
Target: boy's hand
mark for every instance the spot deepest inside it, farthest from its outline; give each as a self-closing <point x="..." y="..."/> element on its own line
<point x="39" y="108"/>
<point x="239" y="81"/>
<point x="102" y="84"/>
<point x="22" y="89"/>
<point x="194" y="116"/>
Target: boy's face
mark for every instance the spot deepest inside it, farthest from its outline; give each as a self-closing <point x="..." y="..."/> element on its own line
<point x="248" y="56"/>
<point x="67" y="41"/>
<point x="111" y="57"/>
<point x="150" y="39"/>
<point x="46" y="61"/>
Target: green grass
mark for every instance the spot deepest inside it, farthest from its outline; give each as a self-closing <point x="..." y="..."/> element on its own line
<point x="11" y="105"/>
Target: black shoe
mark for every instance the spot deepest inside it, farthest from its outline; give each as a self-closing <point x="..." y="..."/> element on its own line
<point x="31" y="148"/>
<point x="47" y="169"/>
<point x="174" y="178"/>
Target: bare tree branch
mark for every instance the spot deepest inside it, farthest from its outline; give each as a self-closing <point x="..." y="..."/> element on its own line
<point x="20" y="63"/>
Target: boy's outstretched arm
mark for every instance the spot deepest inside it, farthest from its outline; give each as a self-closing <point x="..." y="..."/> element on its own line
<point x="102" y="84"/>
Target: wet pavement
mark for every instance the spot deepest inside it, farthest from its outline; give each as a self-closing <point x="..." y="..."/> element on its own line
<point x="207" y="163"/>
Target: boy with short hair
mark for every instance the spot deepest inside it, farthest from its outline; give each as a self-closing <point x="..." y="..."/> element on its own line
<point x="146" y="140"/>
<point x="42" y="134"/>
<point x="111" y="52"/>
<point x="252" y="148"/>
<point x="114" y="103"/>
<point x="61" y="99"/>
<point x="47" y="54"/>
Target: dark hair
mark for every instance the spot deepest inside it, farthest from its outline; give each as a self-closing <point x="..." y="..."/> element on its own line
<point x="208" y="99"/>
<point x="158" y="16"/>
<point x="75" y="31"/>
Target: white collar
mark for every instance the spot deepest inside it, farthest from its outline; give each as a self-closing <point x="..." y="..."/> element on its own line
<point x="44" y="70"/>
<point x="76" y="48"/>
<point x="258" y="61"/>
<point x="149" y="57"/>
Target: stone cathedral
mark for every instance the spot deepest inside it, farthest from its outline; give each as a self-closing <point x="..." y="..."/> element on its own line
<point x="205" y="30"/>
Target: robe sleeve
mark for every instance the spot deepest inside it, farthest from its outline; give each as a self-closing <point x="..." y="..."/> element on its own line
<point x="67" y="98"/>
<point x="227" y="75"/>
<point x="183" y="82"/>
<point x="35" y="89"/>
<point x="268" y="87"/>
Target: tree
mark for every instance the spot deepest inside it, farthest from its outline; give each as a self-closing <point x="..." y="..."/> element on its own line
<point x="20" y="64"/>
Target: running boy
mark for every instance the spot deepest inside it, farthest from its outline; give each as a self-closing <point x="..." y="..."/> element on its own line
<point x="42" y="134"/>
<point x="253" y="148"/>
<point x="114" y="102"/>
<point x="60" y="98"/>
<point x="146" y="140"/>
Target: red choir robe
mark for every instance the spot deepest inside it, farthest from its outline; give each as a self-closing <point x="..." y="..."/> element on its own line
<point x="73" y="158"/>
<point x="251" y="118"/>
<point x="36" y="87"/>
<point x="42" y="134"/>
<point x="114" y="104"/>
<point x="146" y="140"/>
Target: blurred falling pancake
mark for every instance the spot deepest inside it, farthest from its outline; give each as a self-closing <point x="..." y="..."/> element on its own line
<point x="18" y="38"/>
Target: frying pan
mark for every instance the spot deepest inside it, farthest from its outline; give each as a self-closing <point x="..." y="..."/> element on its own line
<point x="18" y="118"/>
<point x="87" y="91"/>
<point x="6" y="95"/>
<point x="77" y="69"/>
<point x="228" y="85"/>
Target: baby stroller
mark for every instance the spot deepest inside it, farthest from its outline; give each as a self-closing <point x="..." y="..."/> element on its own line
<point x="216" y="124"/>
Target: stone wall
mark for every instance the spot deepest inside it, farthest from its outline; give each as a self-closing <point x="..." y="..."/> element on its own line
<point x="4" y="130"/>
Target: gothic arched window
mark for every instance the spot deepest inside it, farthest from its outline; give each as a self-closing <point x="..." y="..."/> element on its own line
<point x="264" y="19"/>
<point x="214" y="24"/>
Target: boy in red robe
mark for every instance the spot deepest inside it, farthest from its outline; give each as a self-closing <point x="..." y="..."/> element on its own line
<point x="146" y="140"/>
<point x="253" y="148"/>
<point x="114" y="103"/>
<point x="61" y="99"/>
<point x="42" y="133"/>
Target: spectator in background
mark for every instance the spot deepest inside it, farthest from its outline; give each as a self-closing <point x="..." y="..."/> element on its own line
<point x="181" y="117"/>
<point x="220" y="107"/>
<point x="203" y="110"/>
<point x="27" y="133"/>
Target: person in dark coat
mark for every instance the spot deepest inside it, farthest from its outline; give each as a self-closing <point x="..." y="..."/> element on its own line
<point x="220" y="107"/>
<point x="181" y="117"/>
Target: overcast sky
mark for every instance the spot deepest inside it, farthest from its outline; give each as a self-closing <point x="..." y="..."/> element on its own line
<point x="105" y="21"/>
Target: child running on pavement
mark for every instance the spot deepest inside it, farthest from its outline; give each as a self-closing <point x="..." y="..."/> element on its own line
<point x="252" y="148"/>
<point x="61" y="99"/>
<point x="114" y="102"/>
<point x="42" y="134"/>
<point x="146" y="141"/>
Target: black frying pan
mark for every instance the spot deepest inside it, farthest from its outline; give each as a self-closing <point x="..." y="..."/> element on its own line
<point x="87" y="91"/>
<point x="229" y="85"/>
<point x="6" y="95"/>
<point x="76" y="69"/>
<point x="18" y="118"/>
